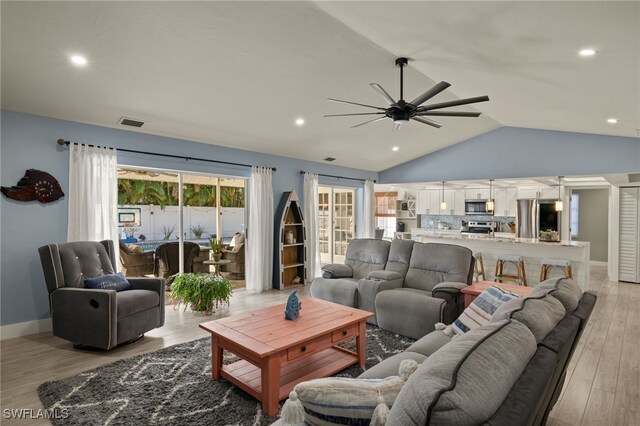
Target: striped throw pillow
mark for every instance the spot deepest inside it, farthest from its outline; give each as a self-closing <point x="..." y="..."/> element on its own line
<point x="480" y="311"/>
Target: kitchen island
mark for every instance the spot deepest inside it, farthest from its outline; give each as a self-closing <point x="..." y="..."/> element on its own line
<point x="532" y="250"/>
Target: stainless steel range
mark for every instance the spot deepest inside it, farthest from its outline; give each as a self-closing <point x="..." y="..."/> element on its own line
<point x="475" y="228"/>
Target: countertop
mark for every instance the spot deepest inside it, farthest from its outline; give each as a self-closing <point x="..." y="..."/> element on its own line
<point x="498" y="238"/>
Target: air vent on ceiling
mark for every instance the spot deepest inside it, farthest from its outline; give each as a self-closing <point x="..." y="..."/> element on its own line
<point x="130" y="122"/>
<point x="329" y="159"/>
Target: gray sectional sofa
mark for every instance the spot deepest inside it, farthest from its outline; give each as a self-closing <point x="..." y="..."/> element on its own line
<point x="508" y="372"/>
<point x="421" y="281"/>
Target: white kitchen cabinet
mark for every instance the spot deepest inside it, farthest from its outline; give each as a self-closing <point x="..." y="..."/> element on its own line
<point x="477" y="193"/>
<point x="539" y="191"/>
<point x="629" y="246"/>
<point x="548" y="192"/>
<point x="505" y="199"/>
<point x="428" y="201"/>
<point x="458" y="201"/>
<point x="449" y="198"/>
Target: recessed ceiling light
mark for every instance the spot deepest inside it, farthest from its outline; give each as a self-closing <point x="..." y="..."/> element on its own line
<point x="300" y="121"/>
<point x="78" y="60"/>
<point x="612" y="120"/>
<point x="588" y="52"/>
<point x="395" y="148"/>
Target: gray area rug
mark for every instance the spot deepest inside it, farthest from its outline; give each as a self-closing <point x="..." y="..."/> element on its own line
<point x="173" y="386"/>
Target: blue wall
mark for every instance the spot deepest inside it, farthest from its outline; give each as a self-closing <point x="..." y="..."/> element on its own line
<point x="29" y="141"/>
<point x="510" y="152"/>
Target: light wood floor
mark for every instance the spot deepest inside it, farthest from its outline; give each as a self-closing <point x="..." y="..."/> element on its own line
<point x="603" y="386"/>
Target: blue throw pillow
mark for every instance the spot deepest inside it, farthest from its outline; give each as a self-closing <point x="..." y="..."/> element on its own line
<point x="115" y="282"/>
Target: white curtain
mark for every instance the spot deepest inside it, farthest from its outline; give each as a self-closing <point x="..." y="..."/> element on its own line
<point x="369" y="224"/>
<point x="93" y="194"/>
<point x="311" y="223"/>
<point x="259" y="260"/>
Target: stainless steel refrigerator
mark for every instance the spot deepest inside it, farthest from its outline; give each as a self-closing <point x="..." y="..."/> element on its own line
<point x="532" y="215"/>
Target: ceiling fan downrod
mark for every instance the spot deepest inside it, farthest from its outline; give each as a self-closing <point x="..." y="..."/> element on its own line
<point x="401" y="63"/>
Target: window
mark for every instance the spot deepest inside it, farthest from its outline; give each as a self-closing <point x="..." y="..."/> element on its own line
<point x="386" y="204"/>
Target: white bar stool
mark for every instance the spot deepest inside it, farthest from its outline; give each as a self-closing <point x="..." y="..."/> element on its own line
<point x="518" y="261"/>
<point x="478" y="267"/>
<point x="563" y="264"/>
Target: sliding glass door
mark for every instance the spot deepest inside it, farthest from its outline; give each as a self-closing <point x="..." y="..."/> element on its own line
<point x="336" y="222"/>
<point x="150" y="213"/>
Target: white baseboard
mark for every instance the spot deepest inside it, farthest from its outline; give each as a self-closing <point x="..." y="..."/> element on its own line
<point x="25" y="328"/>
<point x="598" y="263"/>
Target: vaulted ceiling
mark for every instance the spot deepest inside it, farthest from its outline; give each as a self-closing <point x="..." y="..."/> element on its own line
<point x="239" y="73"/>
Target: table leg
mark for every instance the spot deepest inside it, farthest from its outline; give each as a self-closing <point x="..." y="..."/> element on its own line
<point x="361" y="343"/>
<point x="216" y="357"/>
<point x="270" y="373"/>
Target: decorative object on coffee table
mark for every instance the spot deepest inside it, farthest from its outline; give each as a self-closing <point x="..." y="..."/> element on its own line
<point x="293" y="306"/>
<point x="200" y="291"/>
<point x="277" y="354"/>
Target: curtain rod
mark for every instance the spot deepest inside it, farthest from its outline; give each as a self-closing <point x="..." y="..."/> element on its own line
<point x="339" y="177"/>
<point x="182" y="157"/>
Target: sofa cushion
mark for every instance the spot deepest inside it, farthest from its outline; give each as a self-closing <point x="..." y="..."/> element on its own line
<point x="384" y="275"/>
<point x="480" y="311"/>
<point x="566" y="290"/>
<point x="430" y="343"/>
<point x="133" y="301"/>
<point x="344" y="400"/>
<point x="540" y="314"/>
<point x="399" y="256"/>
<point x="465" y="381"/>
<point x="341" y="290"/>
<point x="115" y="282"/>
<point x="433" y="263"/>
<point x="366" y="255"/>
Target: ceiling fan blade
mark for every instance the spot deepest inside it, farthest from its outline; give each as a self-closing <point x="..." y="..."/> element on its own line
<point x="383" y="93"/>
<point x="453" y="103"/>
<point x="355" y="103"/>
<point x="359" y="113"/>
<point x="428" y="122"/>
<point x="450" y="113"/>
<point x="430" y="93"/>
<point x="367" y="122"/>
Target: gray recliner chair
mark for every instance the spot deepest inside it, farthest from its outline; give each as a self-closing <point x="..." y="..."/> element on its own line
<point x="95" y="317"/>
<point x="371" y="266"/>
<point x="431" y="292"/>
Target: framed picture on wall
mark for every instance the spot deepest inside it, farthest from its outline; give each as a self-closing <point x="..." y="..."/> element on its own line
<point x="129" y="216"/>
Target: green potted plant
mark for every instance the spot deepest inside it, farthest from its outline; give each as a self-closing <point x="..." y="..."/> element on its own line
<point x="167" y="231"/>
<point x="216" y="248"/>
<point x="197" y="231"/>
<point x="200" y="291"/>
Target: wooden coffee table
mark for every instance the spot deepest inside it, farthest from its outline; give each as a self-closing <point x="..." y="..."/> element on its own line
<point x="277" y="354"/>
<point x="472" y="291"/>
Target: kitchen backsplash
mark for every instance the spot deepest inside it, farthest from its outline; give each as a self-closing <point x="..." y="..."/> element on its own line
<point x="455" y="221"/>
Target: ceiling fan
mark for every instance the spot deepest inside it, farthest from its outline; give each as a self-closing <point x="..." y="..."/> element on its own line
<point x="401" y="111"/>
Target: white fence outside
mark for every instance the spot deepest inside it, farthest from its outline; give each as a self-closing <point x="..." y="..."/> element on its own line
<point x="153" y="218"/>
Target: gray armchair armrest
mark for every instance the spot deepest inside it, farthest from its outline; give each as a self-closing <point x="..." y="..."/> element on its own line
<point x="448" y="287"/>
<point x="451" y="292"/>
<point x="336" y="270"/>
<point x="384" y="275"/>
<point x="154" y="284"/>
<point x="80" y="314"/>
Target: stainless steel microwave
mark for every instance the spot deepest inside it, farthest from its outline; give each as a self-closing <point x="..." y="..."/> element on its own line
<point x="476" y="207"/>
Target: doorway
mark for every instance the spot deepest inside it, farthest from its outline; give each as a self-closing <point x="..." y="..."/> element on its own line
<point x="589" y="220"/>
<point x="336" y="222"/>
